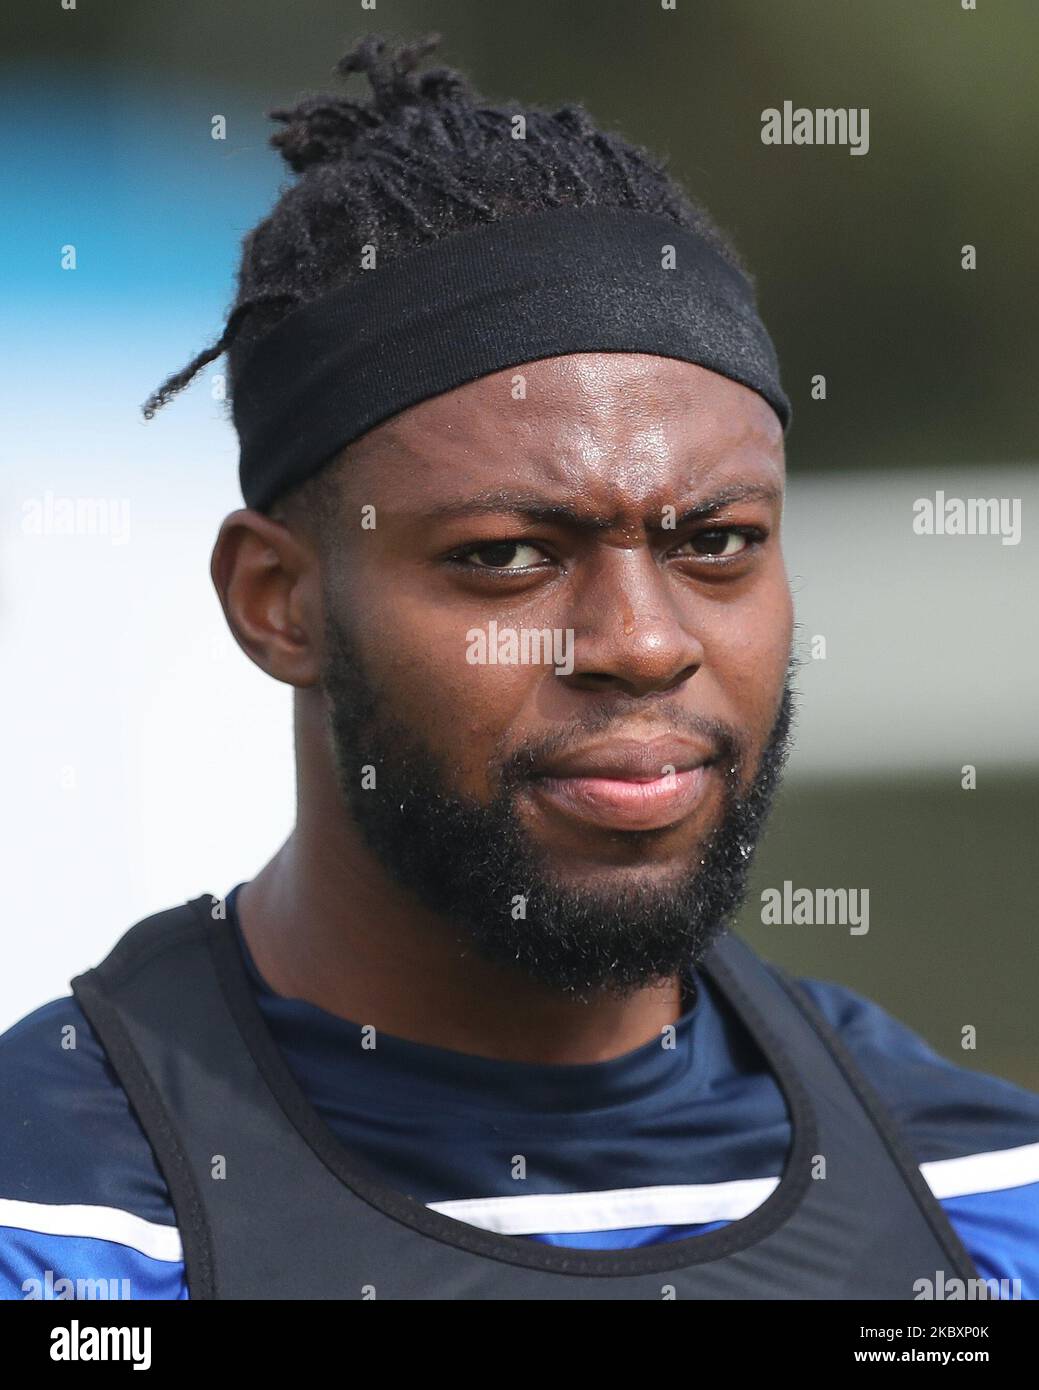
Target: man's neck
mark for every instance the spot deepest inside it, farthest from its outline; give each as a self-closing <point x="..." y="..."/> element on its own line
<point x="332" y="930"/>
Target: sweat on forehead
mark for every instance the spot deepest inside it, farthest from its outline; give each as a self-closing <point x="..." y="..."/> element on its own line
<point x="599" y="432"/>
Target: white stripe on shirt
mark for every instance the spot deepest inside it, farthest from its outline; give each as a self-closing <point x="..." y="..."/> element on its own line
<point x="988" y="1172"/>
<point x="550" y="1213"/>
<point x="555" y="1212"/>
<point x="96" y="1223"/>
<point x="691" y="1204"/>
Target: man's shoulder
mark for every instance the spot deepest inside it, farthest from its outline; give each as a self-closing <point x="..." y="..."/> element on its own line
<point x="69" y="1134"/>
<point x="948" y="1109"/>
<point x="80" y="1192"/>
<point x="974" y="1135"/>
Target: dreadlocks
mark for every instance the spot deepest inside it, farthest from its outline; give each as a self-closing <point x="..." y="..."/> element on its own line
<point x="419" y="161"/>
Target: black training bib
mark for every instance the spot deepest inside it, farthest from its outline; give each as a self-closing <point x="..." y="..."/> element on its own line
<point x="298" y="1216"/>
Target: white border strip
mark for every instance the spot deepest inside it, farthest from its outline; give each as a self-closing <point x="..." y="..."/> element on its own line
<point x="988" y="1172"/>
<point x="95" y="1223"/>
<point x="553" y="1213"/>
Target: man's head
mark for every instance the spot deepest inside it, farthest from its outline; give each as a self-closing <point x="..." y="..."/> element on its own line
<point x="625" y="504"/>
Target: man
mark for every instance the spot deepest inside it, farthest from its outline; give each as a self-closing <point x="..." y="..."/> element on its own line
<point x="512" y="453"/>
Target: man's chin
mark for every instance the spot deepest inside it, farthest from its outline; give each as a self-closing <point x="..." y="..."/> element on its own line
<point x="608" y="931"/>
<point x="619" y="887"/>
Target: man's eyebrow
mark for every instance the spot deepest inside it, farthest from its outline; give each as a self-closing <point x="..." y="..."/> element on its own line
<point x="533" y="506"/>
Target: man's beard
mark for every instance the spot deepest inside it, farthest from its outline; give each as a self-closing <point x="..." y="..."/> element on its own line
<point x="477" y="867"/>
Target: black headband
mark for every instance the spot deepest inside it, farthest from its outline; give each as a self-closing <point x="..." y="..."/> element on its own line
<point x="570" y="279"/>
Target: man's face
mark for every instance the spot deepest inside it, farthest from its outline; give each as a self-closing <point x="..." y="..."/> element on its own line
<point x="591" y="822"/>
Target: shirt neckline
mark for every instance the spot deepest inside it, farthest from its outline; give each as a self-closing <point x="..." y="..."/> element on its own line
<point x="477" y="1083"/>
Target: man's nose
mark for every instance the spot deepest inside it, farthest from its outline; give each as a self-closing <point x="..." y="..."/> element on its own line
<point x="634" y="627"/>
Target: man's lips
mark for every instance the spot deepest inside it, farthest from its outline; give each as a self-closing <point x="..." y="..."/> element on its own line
<point x="628" y="785"/>
<point x="623" y="805"/>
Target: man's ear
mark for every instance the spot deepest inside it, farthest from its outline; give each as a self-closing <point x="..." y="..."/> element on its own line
<point x="269" y="583"/>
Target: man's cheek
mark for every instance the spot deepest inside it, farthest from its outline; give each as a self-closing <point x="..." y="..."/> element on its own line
<point x="750" y="649"/>
<point x="464" y="704"/>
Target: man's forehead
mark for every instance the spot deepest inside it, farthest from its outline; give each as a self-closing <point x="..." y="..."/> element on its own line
<point x="629" y="419"/>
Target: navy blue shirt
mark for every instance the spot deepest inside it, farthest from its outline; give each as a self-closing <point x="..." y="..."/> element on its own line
<point x="680" y="1136"/>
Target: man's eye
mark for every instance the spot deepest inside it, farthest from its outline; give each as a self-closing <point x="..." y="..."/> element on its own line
<point x="502" y="555"/>
<point x="719" y="545"/>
